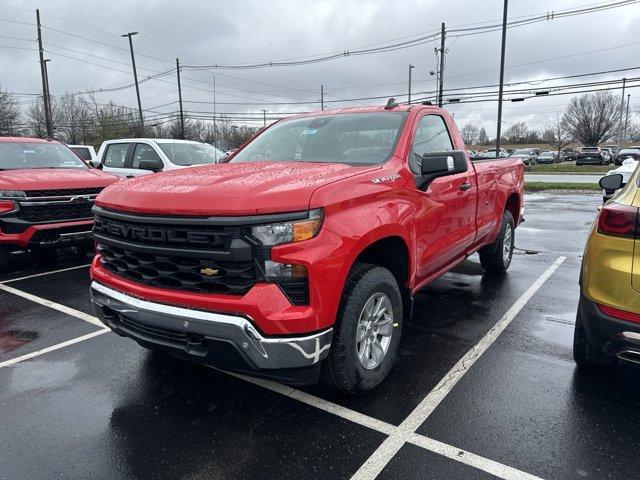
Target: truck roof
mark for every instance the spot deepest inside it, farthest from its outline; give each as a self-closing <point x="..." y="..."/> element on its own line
<point x="157" y="140"/>
<point x="26" y="140"/>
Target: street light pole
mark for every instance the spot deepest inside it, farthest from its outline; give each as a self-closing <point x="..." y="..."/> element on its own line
<point x="411" y="67"/>
<point x="135" y="79"/>
<point x="443" y="35"/>
<point x="502" y="52"/>
<point x="264" y="118"/>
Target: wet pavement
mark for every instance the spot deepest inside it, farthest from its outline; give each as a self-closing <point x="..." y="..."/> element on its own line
<point x="106" y="408"/>
<point x="559" y="178"/>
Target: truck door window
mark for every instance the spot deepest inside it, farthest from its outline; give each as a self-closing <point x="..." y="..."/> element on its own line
<point x="431" y="136"/>
<point x="115" y="155"/>
<point x="143" y="152"/>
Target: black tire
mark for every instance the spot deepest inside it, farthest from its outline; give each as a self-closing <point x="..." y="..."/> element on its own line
<point x="4" y="259"/>
<point x="342" y="369"/>
<point x="492" y="257"/>
<point x="586" y="355"/>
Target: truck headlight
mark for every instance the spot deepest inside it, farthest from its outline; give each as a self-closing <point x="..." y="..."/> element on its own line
<point x="289" y="232"/>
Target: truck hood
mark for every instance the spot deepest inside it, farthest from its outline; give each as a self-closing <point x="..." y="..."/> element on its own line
<point x="227" y="188"/>
<point x="54" y="178"/>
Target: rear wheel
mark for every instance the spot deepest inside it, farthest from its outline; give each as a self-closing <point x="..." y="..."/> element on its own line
<point x="367" y="332"/>
<point x="496" y="258"/>
<point x="587" y="355"/>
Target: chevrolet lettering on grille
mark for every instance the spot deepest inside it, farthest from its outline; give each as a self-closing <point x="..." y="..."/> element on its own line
<point x="155" y="234"/>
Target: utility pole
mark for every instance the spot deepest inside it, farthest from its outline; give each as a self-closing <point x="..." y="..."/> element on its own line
<point x="215" y="128"/>
<point x="135" y="79"/>
<point x="626" y="120"/>
<point x="411" y="67"/>
<point x="443" y="34"/>
<point x="624" y="84"/>
<point x="321" y="97"/>
<point x="43" y="73"/>
<point x="264" y="118"/>
<point x="46" y="82"/>
<point x="502" y="52"/>
<point x="180" y="100"/>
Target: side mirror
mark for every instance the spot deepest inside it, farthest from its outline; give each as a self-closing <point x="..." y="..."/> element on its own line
<point x="154" y="165"/>
<point x="441" y="164"/>
<point x="95" y="163"/>
<point x="611" y="183"/>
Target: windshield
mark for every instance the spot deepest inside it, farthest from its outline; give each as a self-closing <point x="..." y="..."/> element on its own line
<point x="20" y="155"/>
<point x="546" y="154"/>
<point x="186" y="154"/>
<point x="521" y="152"/>
<point x="354" y="139"/>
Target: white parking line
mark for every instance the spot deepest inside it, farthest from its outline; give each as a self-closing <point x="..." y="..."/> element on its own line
<point x="52" y="348"/>
<point x="385" y="452"/>
<point x="45" y="273"/>
<point x="56" y="306"/>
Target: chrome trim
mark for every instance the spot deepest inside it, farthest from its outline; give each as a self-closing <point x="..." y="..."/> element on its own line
<point x="76" y="234"/>
<point x="263" y="352"/>
<point x="630" y="356"/>
<point x="32" y="201"/>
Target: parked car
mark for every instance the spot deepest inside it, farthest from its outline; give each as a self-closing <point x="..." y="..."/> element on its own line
<point x="569" y="154"/>
<point x="626" y="170"/>
<point x="626" y="153"/>
<point x="134" y="157"/>
<point x="86" y="153"/>
<point x="492" y="151"/>
<point x="527" y="155"/>
<point x="46" y="195"/>
<point x="607" y="328"/>
<point x="547" y="158"/>
<point x="606" y="155"/>
<point x="302" y="253"/>
<point x="590" y="156"/>
<point x="615" y="149"/>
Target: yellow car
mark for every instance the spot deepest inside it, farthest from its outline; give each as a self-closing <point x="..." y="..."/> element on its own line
<point x="608" y="321"/>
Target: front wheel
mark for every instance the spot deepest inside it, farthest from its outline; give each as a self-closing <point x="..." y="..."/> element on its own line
<point x="496" y="258"/>
<point x="367" y="332"/>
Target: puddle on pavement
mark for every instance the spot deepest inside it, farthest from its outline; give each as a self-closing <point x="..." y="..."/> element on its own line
<point x="13" y="339"/>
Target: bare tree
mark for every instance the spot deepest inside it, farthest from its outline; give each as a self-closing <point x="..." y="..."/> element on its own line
<point x="36" y="120"/>
<point x="9" y="114"/>
<point x="593" y="117"/>
<point x="78" y="120"/>
<point x="517" y="133"/>
<point x="470" y="134"/>
<point x="557" y="132"/>
<point x="483" y="138"/>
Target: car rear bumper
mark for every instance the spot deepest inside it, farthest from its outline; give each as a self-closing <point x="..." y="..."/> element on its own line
<point x="229" y="341"/>
<point x="616" y="337"/>
<point x="589" y="161"/>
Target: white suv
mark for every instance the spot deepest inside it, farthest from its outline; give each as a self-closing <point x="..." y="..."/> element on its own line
<point x="133" y="157"/>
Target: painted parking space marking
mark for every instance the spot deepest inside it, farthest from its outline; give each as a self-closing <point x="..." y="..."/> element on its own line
<point x="42" y="274"/>
<point x="383" y="455"/>
<point x="56" y="306"/>
<point x="53" y="348"/>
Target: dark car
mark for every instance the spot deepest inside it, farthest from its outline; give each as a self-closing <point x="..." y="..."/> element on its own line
<point x="627" y="153"/>
<point x="590" y="156"/>
<point x="569" y="154"/>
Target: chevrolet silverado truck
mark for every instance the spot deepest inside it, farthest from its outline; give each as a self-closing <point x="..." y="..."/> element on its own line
<point x="298" y="260"/>
<point x="46" y="195"/>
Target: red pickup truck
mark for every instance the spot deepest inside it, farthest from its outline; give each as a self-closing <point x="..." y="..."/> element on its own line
<point x="46" y="195"/>
<point x="299" y="258"/>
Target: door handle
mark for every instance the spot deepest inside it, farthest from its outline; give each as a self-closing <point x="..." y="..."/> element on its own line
<point x="129" y="176"/>
<point x="465" y="186"/>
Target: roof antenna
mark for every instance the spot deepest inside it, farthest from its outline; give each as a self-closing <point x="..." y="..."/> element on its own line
<point x="391" y="103"/>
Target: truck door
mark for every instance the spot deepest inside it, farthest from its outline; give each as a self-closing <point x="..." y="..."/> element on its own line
<point x="445" y="225"/>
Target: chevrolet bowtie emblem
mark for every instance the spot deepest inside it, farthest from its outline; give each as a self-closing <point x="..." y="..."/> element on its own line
<point x="209" y="272"/>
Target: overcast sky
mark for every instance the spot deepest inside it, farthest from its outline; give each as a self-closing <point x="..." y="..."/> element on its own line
<point x="234" y="32"/>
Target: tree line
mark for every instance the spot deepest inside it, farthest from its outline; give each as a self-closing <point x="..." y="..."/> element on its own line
<point x="78" y="119"/>
<point x="589" y="119"/>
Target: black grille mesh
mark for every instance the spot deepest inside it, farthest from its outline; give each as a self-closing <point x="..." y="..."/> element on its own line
<point x="55" y="211"/>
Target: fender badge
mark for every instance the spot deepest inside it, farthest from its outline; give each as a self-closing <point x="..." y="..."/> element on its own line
<point x="386" y="179"/>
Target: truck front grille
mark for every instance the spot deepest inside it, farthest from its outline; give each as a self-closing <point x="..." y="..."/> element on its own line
<point x="47" y="212"/>
<point x="181" y="254"/>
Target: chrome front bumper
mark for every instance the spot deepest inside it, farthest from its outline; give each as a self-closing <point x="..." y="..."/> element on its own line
<point x="193" y="331"/>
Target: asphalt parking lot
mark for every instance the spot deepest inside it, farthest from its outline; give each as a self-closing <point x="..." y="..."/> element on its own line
<point x="485" y="386"/>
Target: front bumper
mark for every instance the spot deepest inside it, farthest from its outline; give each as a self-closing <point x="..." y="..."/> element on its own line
<point x="619" y="338"/>
<point x="20" y="234"/>
<point x="225" y="340"/>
